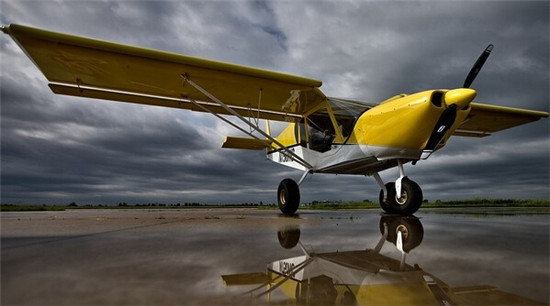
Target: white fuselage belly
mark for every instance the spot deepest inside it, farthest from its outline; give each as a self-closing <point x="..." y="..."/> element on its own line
<point x="347" y="158"/>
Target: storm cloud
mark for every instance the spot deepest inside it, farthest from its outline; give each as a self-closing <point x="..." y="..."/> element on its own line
<point x="59" y="149"/>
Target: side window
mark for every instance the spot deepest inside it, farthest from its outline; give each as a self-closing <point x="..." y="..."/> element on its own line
<point x="332" y="123"/>
<point x="316" y="131"/>
<point x="321" y="131"/>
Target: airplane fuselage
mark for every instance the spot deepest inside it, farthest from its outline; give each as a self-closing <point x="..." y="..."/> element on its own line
<point x="405" y="127"/>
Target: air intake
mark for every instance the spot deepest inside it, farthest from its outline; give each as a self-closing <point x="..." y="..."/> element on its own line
<point x="437" y="98"/>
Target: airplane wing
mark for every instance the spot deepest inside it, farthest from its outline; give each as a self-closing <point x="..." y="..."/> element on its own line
<point x="91" y="68"/>
<point x="484" y="119"/>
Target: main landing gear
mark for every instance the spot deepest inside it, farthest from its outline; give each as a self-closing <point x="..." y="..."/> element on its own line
<point x="402" y="197"/>
<point x="288" y="194"/>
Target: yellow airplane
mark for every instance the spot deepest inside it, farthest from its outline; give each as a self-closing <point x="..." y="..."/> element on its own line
<point x="363" y="277"/>
<point x="324" y="134"/>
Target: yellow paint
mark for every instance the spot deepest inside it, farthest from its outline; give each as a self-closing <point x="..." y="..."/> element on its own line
<point x="405" y="122"/>
<point x="81" y="61"/>
<point x="396" y="294"/>
<point x="288" y="136"/>
<point x="288" y="288"/>
<point x="246" y="143"/>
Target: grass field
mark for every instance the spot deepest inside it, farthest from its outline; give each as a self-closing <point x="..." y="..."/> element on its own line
<point x="313" y="206"/>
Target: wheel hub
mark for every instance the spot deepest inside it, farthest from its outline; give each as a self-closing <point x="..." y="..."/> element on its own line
<point x="403" y="199"/>
<point x="404" y="231"/>
<point x="282" y="197"/>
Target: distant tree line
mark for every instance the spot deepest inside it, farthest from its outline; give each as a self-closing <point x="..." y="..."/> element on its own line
<point x="365" y="204"/>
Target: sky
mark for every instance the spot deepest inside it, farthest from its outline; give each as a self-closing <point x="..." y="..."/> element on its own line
<point x="62" y="149"/>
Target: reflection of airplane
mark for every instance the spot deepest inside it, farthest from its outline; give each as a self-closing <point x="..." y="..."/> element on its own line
<point x="324" y="135"/>
<point x="365" y="277"/>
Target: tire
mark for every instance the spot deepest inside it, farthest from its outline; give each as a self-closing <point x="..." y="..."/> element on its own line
<point x="411" y="198"/>
<point x="288" y="196"/>
<point x="410" y="227"/>
<point x="289" y="238"/>
<point x="386" y="205"/>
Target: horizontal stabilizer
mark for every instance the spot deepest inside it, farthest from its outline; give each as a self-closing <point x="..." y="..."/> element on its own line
<point x="245" y="279"/>
<point x="245" y="143"/>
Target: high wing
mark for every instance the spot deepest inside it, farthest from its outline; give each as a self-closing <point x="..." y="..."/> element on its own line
<point x="97" y="69"/>
<point x="483" y="119"/>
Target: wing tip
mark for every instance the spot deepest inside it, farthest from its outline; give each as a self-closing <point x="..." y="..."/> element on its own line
<point x="5" y="29"/>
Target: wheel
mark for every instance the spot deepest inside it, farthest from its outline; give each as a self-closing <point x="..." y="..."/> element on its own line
<point x="411" y="230"/>
<point x="288" y="196"/>
<point x="409" y="201"/>
<point x="289" y="238"/>
<point x="386" y="205"/>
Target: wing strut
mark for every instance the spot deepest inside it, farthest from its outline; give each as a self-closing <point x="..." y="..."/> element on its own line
<point x="285" y="150"/>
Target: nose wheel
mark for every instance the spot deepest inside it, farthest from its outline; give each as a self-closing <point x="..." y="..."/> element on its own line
<point x="402" y="197"/>
<point x="407" y="203"/>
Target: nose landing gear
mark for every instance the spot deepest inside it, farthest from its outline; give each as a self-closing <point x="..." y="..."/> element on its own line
<point x="406" y="204"/>
<point x="402" y="197"/>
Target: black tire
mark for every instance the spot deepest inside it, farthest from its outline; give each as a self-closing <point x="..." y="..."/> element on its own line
<point x="289" y="238"/>
<point x="288" y="196"/>
<point x="410" y="227"/>
<point x="410" y="200"/>
<point x="386" y="205"/>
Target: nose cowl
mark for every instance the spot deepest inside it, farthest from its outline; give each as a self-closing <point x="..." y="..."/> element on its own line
<point x="462" y="97"/>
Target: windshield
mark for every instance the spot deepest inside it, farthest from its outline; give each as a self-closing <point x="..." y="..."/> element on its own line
<point x="321" y="131"/>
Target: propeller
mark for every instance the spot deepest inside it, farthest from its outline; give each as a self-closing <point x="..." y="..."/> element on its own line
<point x="477" y="66"/>
<point x="455" y="99"/>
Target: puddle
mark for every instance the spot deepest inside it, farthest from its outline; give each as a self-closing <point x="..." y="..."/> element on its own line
<point x="220" y="256"/>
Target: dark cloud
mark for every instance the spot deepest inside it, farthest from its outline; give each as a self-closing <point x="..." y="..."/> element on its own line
<point x="58" y="149"/>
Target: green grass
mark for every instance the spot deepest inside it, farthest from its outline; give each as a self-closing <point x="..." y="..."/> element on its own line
<point x="313" y="206"/>
<point x="436" y="204"/>
<point x="10" y="207"/>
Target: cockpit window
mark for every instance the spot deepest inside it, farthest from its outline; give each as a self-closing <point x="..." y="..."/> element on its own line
<point x="346" y="113"/>
<point x="321" y="130"/>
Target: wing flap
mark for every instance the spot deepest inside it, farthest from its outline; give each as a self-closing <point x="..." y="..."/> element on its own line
<point x="79" y="61"/>
<point x="484" y="119"/>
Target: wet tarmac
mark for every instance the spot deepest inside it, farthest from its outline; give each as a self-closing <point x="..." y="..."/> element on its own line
<point x="247" y="256"/>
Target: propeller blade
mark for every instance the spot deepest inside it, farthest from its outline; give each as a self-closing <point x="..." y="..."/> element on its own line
<point x="477" y="66"/>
